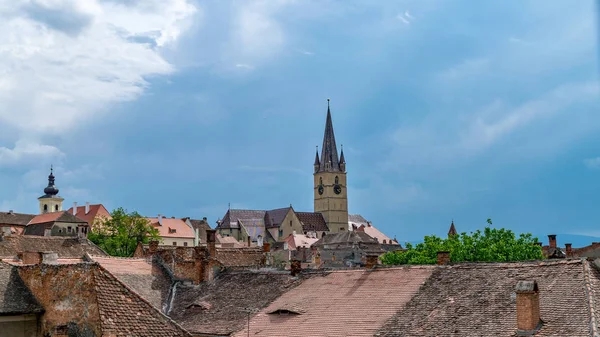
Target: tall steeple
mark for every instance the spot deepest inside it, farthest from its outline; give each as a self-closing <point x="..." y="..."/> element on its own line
<point x="329" y="154"/>
<point x="330" y="189"/>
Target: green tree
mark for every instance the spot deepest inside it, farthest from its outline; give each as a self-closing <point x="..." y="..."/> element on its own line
<point x="119" y="235"/>
<point x="491" y="245"/>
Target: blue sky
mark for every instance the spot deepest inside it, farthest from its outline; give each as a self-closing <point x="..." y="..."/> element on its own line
<point x="462" y="110"/>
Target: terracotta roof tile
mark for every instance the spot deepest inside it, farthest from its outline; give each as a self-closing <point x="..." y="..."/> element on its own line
<point x="342" y="303"/>
<point x="97" y="210"/>
<point x="62" y="216"/>
<point x="65" y="247"/>
<point x="182" y="230"/>
<point x="124" y="313"/>
<point x="312" y="221"/>
<point x="141" y="275"/>
<point x="11" y="218"/>
<point x="477" y="300"/>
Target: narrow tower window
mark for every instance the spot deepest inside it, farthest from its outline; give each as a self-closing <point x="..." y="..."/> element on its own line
<point x="45" y="208"/>
<point x="336" y="180"/>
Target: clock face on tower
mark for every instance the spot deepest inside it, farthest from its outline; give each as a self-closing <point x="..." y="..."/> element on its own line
<point x="337" y="189"/>
<point x="320" y="189"/>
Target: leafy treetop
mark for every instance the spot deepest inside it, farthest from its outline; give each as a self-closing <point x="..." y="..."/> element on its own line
<point x="119" y="235"/>
<point x="491" y="245"/>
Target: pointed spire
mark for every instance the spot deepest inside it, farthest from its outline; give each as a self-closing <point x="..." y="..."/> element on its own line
<point x="317" y="162"/>
<point x="329" y="155"/>
<point x="342" y="159"/>
<point x="452" y="230"/>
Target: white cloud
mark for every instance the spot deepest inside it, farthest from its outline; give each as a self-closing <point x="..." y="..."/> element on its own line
<point x="405" y="17"/>
<point x="63" y="61"/>
<point x="592" y="163"/>
<point x="27" y="153"/>
<point x="258" y="35"/>
<point x="244" y="66"/>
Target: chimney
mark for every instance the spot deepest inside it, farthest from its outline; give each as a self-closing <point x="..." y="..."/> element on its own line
<point x="249" y="241"/>
<point x="160" y="219"/>
<point x="443" y="258"/>
<point x="152" y="247"/>
<point x="372" y="261"/>
<point x="87" y="207"/>
<point x="30" y="257"/>
<point x="75" y="208"/>
<point x="266" y="247"/>
<point x="552" y="240"/>
<point x="528" y="307"/>
<point x="211" y="242"/>
<point x="569" y="250"/>
<point x="204" y="219"/>
<point x="10" y="211"/>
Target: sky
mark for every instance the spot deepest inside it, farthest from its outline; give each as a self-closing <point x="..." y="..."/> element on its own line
<point x="447" y="110"/>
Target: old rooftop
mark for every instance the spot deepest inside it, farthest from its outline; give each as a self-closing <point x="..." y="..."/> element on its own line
<point x="65" y="247"/>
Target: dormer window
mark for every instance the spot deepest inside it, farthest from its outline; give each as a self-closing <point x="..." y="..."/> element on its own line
<point x="172" y="230"/>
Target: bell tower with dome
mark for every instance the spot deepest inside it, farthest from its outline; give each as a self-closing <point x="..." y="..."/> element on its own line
<point x="330" y="190"/>
<point x="50" y="201"/>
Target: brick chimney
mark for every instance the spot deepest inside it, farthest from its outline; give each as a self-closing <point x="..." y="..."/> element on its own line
<point x="443" y="258"/>
<point x="552" y="240"/>
<point x="266" y="247"/>
<point x="75" y="208"/>
<point x="372" y="261"/>
<point x="528" y="307"/>
<point x="152" y="247"/>
<point x="569" y="249"/>
<point x="211" y="242"/>
<point x="87" y="207"/>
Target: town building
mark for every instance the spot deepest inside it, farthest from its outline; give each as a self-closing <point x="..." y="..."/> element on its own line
<point x="330" y="213"/>
<point x="174" y="231"/>
<point x="92" y="214"/>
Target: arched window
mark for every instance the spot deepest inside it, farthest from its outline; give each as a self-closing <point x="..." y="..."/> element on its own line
<point x="45" y="208"/>
<point x="56" y="208"/>
<point x="321" y="181"/>
<point x="337" y="181"/>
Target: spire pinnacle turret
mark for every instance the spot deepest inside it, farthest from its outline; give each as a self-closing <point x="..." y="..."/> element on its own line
<point x="51" y="190"/>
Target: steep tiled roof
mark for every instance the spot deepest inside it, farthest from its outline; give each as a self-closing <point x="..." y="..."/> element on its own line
<point x="182" y="230"/>
<point x="357" y="219"/>
<point x="201" y="226"/>
<point x="342" y="303"/>
<point x="65" y="247"/>
<point x="233" y="215"/>
<point x="124" y="313"/>
<point x="97" y="210"/>
<point x="241" y="257"/>
<point x="61" y="216"/>
<point x="218" y="307"/>
<point x="312" y="221"/>
<point x="376" y="234"/>
<point x="11" y="218"/>
<point x="452" y="230"/>
<point x="16" y="297"/>
<point x="228" y="241"/>
<point x="141" y="275"/>
<point x="478" y="300"/>
<point x="274" y="218"/>
<point x="300" y="240"/>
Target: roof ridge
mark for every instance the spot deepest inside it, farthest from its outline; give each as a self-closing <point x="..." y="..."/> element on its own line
<point x="589" y="293"/>
<point x="513" y="264"/>
<point x="114" y="278"/>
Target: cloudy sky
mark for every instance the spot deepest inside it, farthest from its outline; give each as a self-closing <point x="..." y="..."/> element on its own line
<point x="462" y="110"/>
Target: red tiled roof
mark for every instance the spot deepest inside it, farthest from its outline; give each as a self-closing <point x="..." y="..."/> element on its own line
<point x="141" y="275"/>
<point x="342" y="303"/>
<point x="375" y="233"/>
<point x="182" y="230"/>
<point x="97" y="210"/>
<point x="312" y="221"/>
<point x="124" y="313"/>
<point x="478" y="300"/>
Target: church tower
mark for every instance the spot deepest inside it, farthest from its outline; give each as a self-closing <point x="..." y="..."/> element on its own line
<point x="50" y="201"/>
<point x="330" y="190"/>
